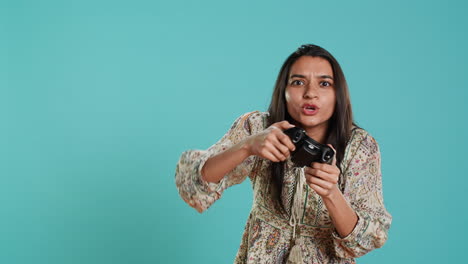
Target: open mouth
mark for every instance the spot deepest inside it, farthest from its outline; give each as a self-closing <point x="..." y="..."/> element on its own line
<point x="310" y="109"/>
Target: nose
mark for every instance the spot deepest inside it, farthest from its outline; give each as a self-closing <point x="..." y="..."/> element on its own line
<point x="310" y="92"/>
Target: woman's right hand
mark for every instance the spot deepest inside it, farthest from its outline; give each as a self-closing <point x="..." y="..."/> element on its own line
<point x="271" y="143"/>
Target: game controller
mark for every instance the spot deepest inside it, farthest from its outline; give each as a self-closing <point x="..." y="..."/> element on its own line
<point x="307" y="149"/>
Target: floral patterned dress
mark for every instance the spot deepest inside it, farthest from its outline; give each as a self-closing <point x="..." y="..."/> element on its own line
<point x="267" y="236"/>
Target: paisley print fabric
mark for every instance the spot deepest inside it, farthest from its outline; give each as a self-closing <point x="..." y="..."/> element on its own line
<point x="289" y="185"/>
<point x="267" y="235"/>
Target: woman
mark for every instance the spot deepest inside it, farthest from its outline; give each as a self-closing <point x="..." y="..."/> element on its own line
<point x="324" y="213"/>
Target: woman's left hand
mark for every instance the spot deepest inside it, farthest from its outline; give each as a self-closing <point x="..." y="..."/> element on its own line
<point x="322" y="177"/>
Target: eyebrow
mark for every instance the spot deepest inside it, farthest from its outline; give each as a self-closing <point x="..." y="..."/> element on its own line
<point x="320" y="76"/>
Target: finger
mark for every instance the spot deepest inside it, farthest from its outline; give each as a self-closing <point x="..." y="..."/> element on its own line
<point x="275" y="127"/>
<point x="273" y="150"/>
<point x="281" y="147"/>
<point x="286" y="141"/>
<point x="265" y="153"/>
<point x="283" y="125"/>
<point x="272" y="139"/>
<point x="270" y="156"/>
<point x="318" y="189"/>
<point x="334" y="156"/>
<point x="322" y="183"/>
<point x="332" y="169"/>
<point x="322" y="175"/>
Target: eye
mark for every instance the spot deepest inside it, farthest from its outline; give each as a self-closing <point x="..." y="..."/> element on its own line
<point x="297" y="82"/>
<point x="325" y="83"/>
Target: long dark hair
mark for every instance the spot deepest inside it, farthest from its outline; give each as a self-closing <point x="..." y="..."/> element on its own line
<point x="340" y="123"/>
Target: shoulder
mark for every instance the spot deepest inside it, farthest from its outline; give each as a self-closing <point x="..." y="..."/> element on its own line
<point x="361" y="147"/>
<point x="251" y="122"/>
<point x="364" y="140"/>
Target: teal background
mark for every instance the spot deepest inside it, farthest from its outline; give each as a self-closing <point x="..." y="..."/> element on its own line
<point x="98" y="100"/>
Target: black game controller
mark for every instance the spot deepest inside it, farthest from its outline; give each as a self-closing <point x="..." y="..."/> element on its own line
<point x="307" y="149"/>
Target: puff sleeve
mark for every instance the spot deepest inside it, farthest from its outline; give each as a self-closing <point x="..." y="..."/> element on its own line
<point x="363" y="190"/>
<point x="201" y="194"/>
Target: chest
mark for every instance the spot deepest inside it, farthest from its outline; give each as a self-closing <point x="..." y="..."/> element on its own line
<point x="278" y="202"/>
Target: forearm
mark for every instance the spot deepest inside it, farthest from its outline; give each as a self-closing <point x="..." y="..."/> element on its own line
<point x="219" y="165"/>
<point x="344" y="218"/>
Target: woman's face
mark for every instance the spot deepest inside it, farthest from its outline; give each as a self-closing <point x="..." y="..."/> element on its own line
<point x="310" y="93"/>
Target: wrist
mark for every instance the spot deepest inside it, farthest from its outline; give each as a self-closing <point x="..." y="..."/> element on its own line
<point x="246" y="147"/>
<point x="335" y="192"/>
